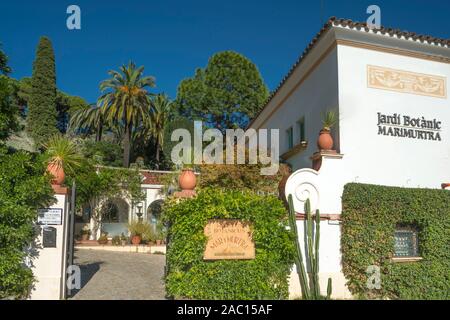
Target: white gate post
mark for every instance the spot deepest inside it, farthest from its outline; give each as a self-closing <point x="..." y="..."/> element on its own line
<point x="49" y="260"/>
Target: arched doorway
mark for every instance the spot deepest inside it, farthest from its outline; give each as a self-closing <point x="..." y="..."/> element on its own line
<point x="114" y="217"/>
<point x="154" y="211"/>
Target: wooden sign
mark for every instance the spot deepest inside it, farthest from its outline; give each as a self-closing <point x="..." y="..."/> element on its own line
<point x="229" y="239"/>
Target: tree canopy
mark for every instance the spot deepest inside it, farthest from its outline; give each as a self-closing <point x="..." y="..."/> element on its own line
<point x="8" y="114"/>
<point x="125" y="101"/>
<point x="226" y="94"/>
<point x="4" y="68"/>
<point x="24" y="188"/>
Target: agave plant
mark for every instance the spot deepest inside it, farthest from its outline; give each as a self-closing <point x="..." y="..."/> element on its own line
<point x="61" y="152"/>
<point x="329" y="119"/>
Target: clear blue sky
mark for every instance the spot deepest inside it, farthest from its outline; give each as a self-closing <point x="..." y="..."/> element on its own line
<point x="173" y="37"/>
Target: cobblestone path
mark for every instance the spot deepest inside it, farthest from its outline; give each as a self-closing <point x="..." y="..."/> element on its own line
<point x="109" y="275"/>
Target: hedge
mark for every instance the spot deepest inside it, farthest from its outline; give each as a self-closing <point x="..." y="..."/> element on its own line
<point x="24" y="189"/>
<point x="369" y="219"/>
<point x="265" y="277"/>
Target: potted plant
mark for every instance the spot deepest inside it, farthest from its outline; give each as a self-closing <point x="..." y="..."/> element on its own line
<point x="116" y="241"/>
<point x="61" y="156"/>
<point x="85" y="233"/>
<point x="149" y="235"/>
<point x="160" y="233"/>
<point x="123" y="239"/>
<point x="325" y="141"/>
<point x="103" y="239"/>
<point x="158" y="238"/>
<point x="137" y="229"/>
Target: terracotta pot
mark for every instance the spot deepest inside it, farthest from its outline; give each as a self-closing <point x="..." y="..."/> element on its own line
<point x="135" y="240"/>
<point x="57" y="172"/>
<point x="187" y="179"/>
<point x="325" y="141"/>
<point x="158" y="242"/>
<point x="85" y="236"/>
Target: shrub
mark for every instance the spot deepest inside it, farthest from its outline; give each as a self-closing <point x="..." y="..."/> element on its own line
<point x="148" y="234"/>
<point x="369" y="218"/>
<point x="103" y="239"/>
<point x="240" y="176"/>
<point x="116" y="241"/>
<point x="24" y="189"/>
<point x="265" y="277"/>
<point x="139" y="228"/>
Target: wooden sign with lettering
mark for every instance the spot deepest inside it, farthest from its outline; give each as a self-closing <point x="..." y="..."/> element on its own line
<point x="228" y="239"/>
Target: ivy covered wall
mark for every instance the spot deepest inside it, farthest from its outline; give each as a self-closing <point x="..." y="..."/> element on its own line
<point x="369" y="219"/>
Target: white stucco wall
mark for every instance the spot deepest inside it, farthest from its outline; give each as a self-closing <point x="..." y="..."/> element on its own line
<point x="386" y="160"/>
<point x="339" y="78"/>
<point x="316" y="94"/>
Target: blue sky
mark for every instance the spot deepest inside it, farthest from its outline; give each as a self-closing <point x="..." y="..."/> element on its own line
<point x="173" y="37"/>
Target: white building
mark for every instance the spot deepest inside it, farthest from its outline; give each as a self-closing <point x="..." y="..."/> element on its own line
<point x="123" y="210"/>
<point x="390" y="91"/>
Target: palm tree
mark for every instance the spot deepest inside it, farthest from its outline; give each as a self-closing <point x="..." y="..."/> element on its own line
<point x="159" y="116"/>
<point x="125" y="101"/>
<point x="89" y="118"/>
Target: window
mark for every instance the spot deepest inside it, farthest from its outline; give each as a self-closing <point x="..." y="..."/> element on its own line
<point x="406" y="242"/>
<point x="301" y="129"/>
<point x="290" y="138"/>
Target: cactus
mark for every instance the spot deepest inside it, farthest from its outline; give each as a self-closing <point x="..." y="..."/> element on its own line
<point x="309" y="281"/>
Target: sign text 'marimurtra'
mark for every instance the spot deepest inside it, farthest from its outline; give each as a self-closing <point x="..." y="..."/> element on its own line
<point x="228" y="239"/>
<point x="397" y="125"/>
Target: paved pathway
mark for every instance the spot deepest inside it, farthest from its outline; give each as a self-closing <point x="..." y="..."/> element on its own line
<point x="119" y="276"/>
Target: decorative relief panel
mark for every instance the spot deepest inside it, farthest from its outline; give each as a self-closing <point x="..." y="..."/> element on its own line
<point x="406" y="82"/>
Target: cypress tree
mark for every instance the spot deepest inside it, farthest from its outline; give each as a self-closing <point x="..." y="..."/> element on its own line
<point x="42" y="115"/>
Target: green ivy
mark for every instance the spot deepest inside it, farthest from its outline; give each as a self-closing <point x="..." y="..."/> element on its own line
<point x="265" y="277"/>
<point x="369" y="218"/>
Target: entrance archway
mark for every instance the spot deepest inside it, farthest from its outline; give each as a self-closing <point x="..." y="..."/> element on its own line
<point x="114" y="217"/>
<point x="154" y="213"/>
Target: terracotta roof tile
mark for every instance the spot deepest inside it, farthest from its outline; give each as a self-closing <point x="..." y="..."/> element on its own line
<point x="151" y="177"/>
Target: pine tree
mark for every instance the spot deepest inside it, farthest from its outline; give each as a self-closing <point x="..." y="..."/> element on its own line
<point x="41" y="121"/>
<point x="226" y="94"/>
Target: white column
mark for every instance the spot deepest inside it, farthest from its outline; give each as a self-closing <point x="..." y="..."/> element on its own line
<point x="49" y="263"/>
